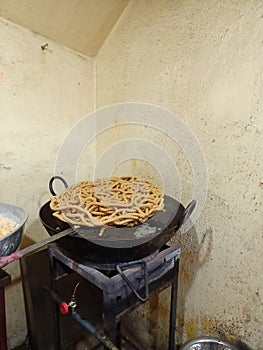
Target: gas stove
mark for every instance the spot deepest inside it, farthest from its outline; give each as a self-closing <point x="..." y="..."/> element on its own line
<point x="124" y="286"/>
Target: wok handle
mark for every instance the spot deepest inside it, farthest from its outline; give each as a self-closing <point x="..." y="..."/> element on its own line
<point x="188" y="211"/>
<point x="50" y="185"/>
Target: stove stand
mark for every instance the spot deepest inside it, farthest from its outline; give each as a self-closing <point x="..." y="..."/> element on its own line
<point x="123" y="288"/>
<point x="5" y="279"/>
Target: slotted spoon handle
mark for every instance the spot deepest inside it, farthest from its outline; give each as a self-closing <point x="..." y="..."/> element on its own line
<point x="46" y="241"/>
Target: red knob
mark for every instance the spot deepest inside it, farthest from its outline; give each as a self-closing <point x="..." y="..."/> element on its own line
<point x="63" y="307"/>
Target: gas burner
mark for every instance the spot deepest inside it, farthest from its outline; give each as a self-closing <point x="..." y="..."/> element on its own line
<point x="110" y="266"/>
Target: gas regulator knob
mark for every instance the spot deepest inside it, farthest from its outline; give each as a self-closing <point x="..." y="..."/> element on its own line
<point x="63" y="307"/>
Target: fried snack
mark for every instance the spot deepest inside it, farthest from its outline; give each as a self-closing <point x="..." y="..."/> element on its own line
<point x="117" y="201"/>
<point x="6" y="226"/>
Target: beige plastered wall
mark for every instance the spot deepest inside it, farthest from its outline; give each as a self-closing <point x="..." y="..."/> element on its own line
<point x="43" y="93"/>
<point x="201" y="60"/>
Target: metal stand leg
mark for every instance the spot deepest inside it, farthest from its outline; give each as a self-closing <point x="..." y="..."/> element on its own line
<point x="111" y="326"/>
<point x="56" y="320"/>
<point x="114" y="333"/>
<point x="174" y="289"/>
<point x="118" y="336"/>
<point x="5" y="279"/>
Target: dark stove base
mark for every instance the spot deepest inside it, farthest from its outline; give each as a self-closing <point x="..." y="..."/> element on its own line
<point x="118" y="298"/>
<point x="106" y="266"/>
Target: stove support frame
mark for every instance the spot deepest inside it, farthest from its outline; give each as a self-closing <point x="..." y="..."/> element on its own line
<point x="117" y="297"/>
<point x="5" y="279"/>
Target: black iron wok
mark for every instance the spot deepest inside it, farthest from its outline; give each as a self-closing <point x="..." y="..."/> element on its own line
<point x="118" y="244"/>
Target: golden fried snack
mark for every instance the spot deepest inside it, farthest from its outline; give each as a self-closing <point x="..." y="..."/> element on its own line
<point x="119" y="201"/>
<point x="6" y="226"/>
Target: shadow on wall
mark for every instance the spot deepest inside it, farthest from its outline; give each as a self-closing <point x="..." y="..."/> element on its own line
<point x="32" y="234"/>
<point x="197" y="249"/>
<point x="190" y="263"/>
<point x="242" y="346"/>
<point x="154" y="315"/>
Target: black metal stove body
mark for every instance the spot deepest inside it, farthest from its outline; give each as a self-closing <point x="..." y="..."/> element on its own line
<point x="123" y="286"/>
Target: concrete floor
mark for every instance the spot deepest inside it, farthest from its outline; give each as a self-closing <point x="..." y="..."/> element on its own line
<point x="85" y="344"/>
<point x="129" y="342"/>
<point x="90" y="343"/>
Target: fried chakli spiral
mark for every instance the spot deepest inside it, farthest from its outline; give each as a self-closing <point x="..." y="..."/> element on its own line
<point x="117" y="201"/>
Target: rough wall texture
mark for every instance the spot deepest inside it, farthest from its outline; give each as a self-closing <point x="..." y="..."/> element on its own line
<point x="79" y="25"/>
<point x="203" y="61"/>
<point x="37" y="87"/>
